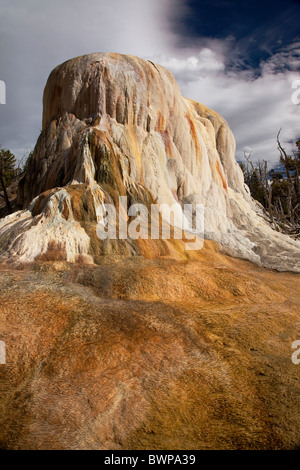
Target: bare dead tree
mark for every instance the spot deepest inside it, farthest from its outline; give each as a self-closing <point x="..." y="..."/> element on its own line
<point x="279" y="195"/>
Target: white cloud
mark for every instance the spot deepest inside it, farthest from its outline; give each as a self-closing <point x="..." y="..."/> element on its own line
<point x="256" y="106"/>
<point x="36" y="36"/>
<point x="192" y="68"/>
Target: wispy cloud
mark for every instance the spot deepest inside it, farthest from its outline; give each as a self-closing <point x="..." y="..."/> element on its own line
<point x="192" y="68"/>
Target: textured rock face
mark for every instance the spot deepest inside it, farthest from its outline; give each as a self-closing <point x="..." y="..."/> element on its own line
<point x="118" y="125"/>
<point x="149" y="354"/>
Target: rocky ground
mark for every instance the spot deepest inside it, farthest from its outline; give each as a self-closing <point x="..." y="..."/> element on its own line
<point x="149" y="354"/>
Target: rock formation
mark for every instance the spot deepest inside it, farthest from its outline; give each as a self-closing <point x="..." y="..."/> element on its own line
<point x="140" y="344"/>
<point x="118" y="125"/>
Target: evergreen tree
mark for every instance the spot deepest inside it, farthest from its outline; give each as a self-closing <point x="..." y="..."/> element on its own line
<point x="256" y="187"/>
<point x="7" y="173"/>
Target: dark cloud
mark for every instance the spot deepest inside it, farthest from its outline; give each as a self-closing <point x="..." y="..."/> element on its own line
<point x="259" y="28"/>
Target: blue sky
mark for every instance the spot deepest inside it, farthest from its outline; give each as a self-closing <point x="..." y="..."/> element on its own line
<point x="258" y="28"/>
<point x="239" y="58"/>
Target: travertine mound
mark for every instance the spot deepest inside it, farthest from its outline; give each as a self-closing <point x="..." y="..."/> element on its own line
<point x="118" y="125"/>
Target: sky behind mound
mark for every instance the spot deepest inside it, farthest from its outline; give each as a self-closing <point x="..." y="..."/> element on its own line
<point x="239" y="58"/>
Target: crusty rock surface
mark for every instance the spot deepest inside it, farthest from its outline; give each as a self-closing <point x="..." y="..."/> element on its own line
<point x="149" y="354"/>
<point x="118" y="125"/>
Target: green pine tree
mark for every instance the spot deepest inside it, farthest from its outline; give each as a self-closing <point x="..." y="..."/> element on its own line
<point x="7" y="173"/>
